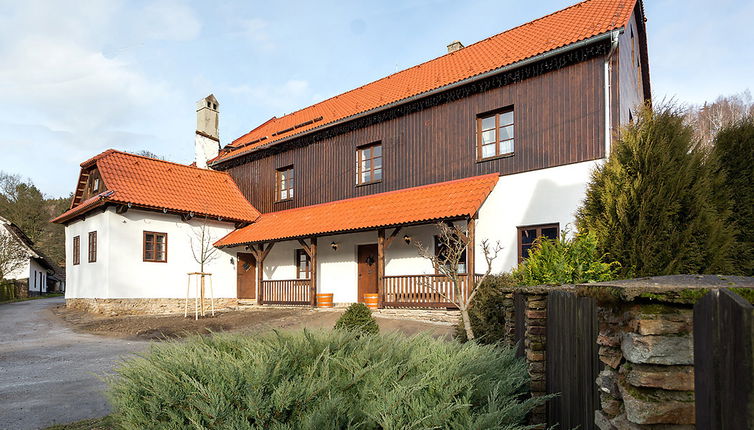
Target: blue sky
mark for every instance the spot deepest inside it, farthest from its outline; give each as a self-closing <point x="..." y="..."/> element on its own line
<point x="79" y="77"/>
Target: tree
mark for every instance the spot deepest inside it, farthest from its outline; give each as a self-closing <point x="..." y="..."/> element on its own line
<point x="707" y="120"/>
<point x="733" y="155"/>
<point x="23" y="204"/>
<point x="653" y="207"/>
<point x="453" y="243"/>
<point x="202" y="246"/>
<point x="12" y="253"/>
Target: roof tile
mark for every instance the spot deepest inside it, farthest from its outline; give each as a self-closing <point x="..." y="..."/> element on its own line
<point x="453" y="199"/>
<point x="575" y="23"/>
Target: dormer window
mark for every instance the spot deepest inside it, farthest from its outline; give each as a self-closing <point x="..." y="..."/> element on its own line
<point x="96" y="185"/>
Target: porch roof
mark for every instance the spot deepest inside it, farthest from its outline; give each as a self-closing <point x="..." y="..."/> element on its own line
<point x="444" y="200"/>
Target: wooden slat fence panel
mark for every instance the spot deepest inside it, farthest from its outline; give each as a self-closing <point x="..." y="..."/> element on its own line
<point x="724" y="361"/>
<point x="421" y="291"/>
<point x="572" y="360"/>
<point x="287" y="292"/>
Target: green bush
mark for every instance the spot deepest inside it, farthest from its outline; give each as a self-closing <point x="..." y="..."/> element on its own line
<point x="653" y="205"/>
<point x="358" y="317"/>
<point x="321" y="380"/>
<point x="565" y="261"/>
<point x="733" y="153"/>
<point x="486" y="311"/>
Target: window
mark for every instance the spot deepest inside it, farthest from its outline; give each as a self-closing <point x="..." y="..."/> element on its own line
<point x="76" y="249"/>
<point x="441" y="251"/>
<point x="92" y="246"/>
<point x="284" y="184"/>
<point x="303" y="265"/>
<point x="528" y="235"/>
<point x="495" y="134"/>
<point x="369" y="163"/>
<point x="155" y="247"/>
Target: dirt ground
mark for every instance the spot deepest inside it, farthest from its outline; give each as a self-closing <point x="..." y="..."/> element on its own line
<point x="156" y="327"/>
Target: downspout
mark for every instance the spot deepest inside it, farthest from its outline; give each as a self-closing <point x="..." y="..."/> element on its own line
<point x="608" y="87"/>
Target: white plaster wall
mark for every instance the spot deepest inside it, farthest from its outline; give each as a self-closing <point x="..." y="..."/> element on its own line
<point x="88" y="280"/>
<point x="539" y="197"/>
<point x="35" y="283"/>
<point x="120" y="271"/>
<point x="22" y="271"/>
<point x="204" y="149"/>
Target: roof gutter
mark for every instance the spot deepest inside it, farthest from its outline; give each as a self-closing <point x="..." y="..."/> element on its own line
<point x="539" y="57"/>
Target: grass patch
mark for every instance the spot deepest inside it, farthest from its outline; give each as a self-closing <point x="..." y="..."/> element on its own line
<point x="45" y="296"/>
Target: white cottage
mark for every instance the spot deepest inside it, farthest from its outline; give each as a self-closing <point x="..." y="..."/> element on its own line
<point x="35" y="272"/>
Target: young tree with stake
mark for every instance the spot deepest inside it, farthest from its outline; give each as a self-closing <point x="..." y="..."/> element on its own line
<point x="453" y="243"/>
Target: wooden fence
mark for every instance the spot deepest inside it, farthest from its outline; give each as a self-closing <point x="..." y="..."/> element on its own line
<point x="572" y="360"/>
<point x="296" y="292"/>
<point x="421" y="291"/>
<point x="723" y="361"/>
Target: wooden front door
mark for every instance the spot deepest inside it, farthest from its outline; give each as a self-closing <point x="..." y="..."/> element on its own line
<point x="367" y="270"/>
<point x="246" y="276"/>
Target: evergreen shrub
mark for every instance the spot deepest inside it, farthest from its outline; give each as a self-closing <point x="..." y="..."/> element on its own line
<point x="653" y="206"/>
<point x="358" y="318"/>
<point x="321" y="380"/>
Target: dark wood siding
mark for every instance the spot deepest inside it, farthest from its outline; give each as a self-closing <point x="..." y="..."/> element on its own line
<point x="559" y="119"/>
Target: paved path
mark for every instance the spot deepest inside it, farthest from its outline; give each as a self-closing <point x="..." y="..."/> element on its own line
<point x="49" y="374"/>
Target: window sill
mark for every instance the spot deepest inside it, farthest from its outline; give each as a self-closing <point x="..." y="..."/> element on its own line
<point x="368" y="183"/>
<point x="496" y="157"/>
<point x="284" y="200"/>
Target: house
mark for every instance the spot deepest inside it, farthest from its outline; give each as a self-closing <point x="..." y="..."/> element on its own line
<point x="498" y="137"/>
<point x="32" y="271"/>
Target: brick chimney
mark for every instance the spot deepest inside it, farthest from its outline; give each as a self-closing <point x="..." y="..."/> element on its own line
<point x="207" y="140"/>
<point x="454" y="46"/>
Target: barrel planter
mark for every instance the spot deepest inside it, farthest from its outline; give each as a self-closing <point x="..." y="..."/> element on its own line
<point x="324" y="300"/>
<point x="372" y="301"/>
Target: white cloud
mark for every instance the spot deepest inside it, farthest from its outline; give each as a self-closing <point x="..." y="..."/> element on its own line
<point x="255" y="30"/>
<point x="169" y="20"/>
<point x="291" y="95"/>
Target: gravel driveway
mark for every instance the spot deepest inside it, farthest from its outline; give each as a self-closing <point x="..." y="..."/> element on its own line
<point x="48" y="373"/>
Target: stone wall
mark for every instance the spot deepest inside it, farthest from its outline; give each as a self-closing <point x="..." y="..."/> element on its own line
<point x="114" y="307"/>
<point x="648" y="354"/>
<point x="645" y="342"/>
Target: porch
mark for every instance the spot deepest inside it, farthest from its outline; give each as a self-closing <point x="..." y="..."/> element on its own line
<point x="364" y="245"/>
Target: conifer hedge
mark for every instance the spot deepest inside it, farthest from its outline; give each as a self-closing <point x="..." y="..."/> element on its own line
<point x="653" y="205"/>
<point x="322" y="380"/>
<point x="733" y="152"/>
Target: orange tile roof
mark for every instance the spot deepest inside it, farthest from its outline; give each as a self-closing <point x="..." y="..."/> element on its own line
<point x="162" y="185"/>
<point x="453" y="199"/>
<point x="573" y="24"/>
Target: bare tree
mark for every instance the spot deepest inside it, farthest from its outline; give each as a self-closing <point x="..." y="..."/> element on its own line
<point x="453" y="243"/>
<point x="709" y="118"/>
<point x="12" y="253"/>
<point x="202" y="245"/>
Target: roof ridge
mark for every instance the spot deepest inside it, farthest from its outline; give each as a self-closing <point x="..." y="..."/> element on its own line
<point x="581" y="3"/>
<point x="110" y="152"/>
<point x="384" y="193"/>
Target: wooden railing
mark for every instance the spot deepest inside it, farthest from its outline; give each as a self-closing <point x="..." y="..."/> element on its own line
<point x="287" y="292"/>
<point x="421" y="291"/>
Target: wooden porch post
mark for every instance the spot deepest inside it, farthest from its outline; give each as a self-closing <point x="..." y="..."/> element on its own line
<point x="380" y="266"/>
<point x="313" y="257"/>
<point x="260" y="254"/>
<point x="471" y="255"/>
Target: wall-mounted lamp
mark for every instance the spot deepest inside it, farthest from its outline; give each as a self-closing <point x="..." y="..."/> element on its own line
<point x="334" y="246"/>
<point x="407" y="239"/>
<point x="231" y="261"/>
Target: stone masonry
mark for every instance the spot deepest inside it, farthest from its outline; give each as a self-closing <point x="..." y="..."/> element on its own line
<point x="115" y="307"/>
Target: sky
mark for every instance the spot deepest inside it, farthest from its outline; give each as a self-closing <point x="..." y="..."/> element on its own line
<point x="79" y="77"/>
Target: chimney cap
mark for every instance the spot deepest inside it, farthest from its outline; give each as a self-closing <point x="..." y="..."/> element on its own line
<point x="454" y="46"/>
<point x="208" y="102"/>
